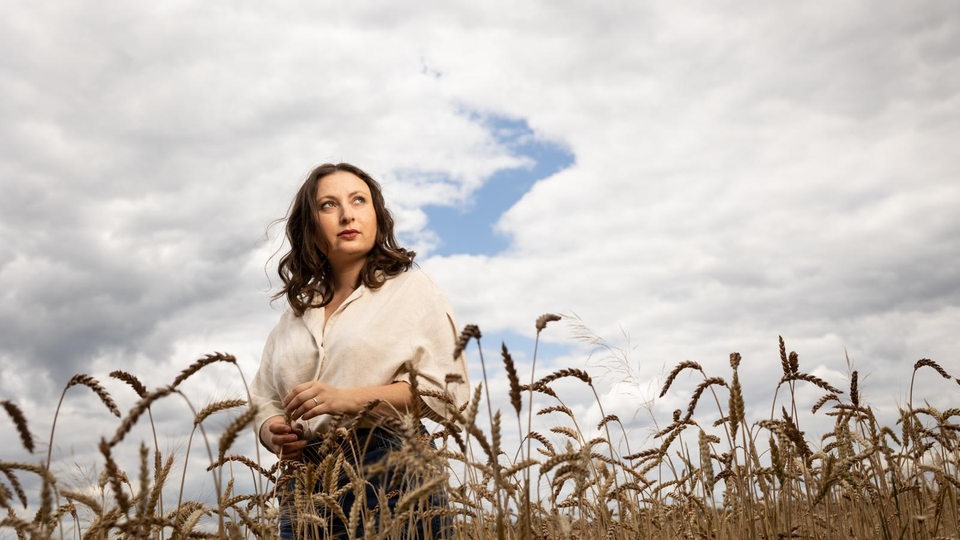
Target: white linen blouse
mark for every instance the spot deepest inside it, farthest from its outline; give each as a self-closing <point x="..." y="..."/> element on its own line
<point x="366" y="342"/>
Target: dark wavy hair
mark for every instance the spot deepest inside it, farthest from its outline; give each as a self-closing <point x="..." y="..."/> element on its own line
<point x="305" y="270"/>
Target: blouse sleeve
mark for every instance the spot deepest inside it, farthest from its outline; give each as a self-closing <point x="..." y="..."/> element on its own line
<point x="440" y="378"/>
<point x="263" y="390"/>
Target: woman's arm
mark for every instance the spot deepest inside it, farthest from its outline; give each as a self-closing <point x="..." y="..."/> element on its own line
<point x="314" y="398"/>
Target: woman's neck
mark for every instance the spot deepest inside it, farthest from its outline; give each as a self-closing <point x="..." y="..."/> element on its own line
<point x="346" y="278"/>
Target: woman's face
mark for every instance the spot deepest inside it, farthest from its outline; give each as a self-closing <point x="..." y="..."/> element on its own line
<point x="346" y="218"/>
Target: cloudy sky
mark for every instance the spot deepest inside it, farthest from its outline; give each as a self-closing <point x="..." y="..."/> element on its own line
<point x="688" y="179"/>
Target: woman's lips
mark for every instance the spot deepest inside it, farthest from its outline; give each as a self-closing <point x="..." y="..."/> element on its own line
<point x="349" y="235"/>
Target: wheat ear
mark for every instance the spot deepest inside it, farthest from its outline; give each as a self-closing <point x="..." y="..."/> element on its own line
<point x="735" y="404"/>
<point x="546" y="318"/>
<point x="470" y="331"/>
<point x="93" y="384"/>
<point x="511" y="377"/>
<point x="138" y="411"/>
<point x="566" y="372"/>
<point x="21" y="422"/>
<point x="686" y="364"/>
<point x="230" y="434"/>
<point x="7" y="468"/>
<point x="131" y="380"/>
<point x="706" y="383"/>
<point x="784" y="362"/>
<point x="217" y="407"/>
<point x="115" y="476"/>
<point x="201" y="363"/>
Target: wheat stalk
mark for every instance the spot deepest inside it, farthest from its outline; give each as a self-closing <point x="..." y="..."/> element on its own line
<point x="865" y="480"/>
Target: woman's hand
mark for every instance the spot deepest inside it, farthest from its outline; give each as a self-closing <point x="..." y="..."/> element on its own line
<point x="284" y="440"/>
<point x="314" y="398"/>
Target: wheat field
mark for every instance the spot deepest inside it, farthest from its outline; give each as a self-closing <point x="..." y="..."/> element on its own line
<point x="711" y="473"/>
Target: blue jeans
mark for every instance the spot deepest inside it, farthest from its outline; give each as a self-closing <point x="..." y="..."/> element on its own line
<point x="363" y="451"/>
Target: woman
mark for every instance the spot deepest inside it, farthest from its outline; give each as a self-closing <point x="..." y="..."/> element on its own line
<point x="362" y="330"/>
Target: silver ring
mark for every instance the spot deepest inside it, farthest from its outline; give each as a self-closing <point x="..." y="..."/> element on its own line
<point x="316" y="403"/>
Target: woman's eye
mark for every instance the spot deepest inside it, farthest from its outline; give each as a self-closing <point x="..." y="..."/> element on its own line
<point x="326" y="205"/>
<point x="359" y="199"/>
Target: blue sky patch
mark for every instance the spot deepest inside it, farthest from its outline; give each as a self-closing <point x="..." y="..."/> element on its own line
<point x="468" y="227"/>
